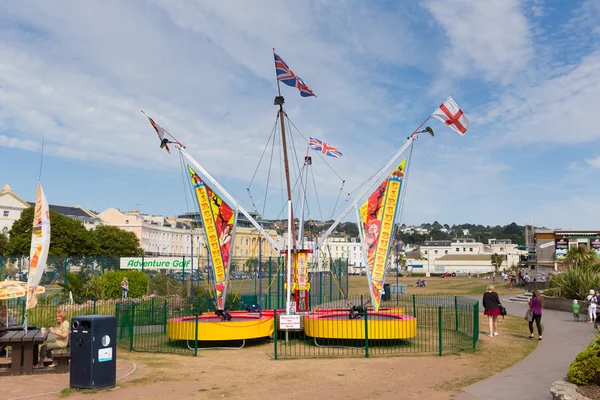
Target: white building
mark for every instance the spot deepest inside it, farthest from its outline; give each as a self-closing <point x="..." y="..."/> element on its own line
<point x="11" y="207"/>
<point x="465" y="255"/>
<point x="157" y="236"/>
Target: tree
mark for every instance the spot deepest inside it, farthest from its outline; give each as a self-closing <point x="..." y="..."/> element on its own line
<point x="402" y="261"/>
<point x="115" y="242"/>
<point x="3" y="245"/>
<point x="497" y="260"/>
<point x="580" y="256"/>
<point x="68" y="236"/>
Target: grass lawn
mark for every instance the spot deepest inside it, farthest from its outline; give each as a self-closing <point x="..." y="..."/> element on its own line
<point x="435" y="285"/>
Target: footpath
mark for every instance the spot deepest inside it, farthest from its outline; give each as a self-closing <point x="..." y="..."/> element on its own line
<point x="531" y="378"/>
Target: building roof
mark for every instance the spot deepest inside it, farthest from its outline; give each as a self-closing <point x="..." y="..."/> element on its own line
<point x="466" y="257"/>
<point x="68" y="211"/>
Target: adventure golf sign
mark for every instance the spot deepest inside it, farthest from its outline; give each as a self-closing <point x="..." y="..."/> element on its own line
<point x="154" y="263"/>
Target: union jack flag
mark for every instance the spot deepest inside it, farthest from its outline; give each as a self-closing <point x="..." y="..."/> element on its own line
<point x="323" y="147"/>
<point x="287" y="76"/>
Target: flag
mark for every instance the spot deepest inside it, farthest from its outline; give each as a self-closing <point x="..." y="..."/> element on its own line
<point x="377" y="218"/>
<point x="40" y="244"/>
<point x="218" y="222"/>
<point x="450" y="114"/>
<point x="160" y="131"/>
<point x="324" y="148"/>
<point x="287" y="76"/>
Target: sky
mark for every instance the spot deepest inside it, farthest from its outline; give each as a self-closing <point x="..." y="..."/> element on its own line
<point x="527" y="73"/>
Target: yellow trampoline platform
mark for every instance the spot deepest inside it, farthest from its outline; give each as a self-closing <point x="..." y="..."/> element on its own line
<point x="211" y="329"/>
<point x="386" y="324"/>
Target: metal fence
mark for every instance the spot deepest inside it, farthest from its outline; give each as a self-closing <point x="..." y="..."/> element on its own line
<point x="328" y="282"/>
<point x="405" y="324"/>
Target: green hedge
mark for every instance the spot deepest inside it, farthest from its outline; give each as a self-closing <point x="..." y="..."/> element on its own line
<point x="585" y="370"/>
<point x="110" y="283"/>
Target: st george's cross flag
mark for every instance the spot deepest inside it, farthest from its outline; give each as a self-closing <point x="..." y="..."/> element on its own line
<point x="450" y="114"/>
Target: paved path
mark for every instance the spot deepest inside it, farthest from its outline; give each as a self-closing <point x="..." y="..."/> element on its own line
<point x="531" y="378"/>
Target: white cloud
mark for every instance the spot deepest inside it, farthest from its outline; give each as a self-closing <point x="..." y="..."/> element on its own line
<point x="488" y="37"/>
<point x="594" y="162"/>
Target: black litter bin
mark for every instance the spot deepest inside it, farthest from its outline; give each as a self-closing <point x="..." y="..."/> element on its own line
<point x="93" y="352"/>
<point x="387" y="292"/>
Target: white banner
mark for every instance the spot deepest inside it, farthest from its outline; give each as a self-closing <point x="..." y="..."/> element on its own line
<point x="155" y="263"/>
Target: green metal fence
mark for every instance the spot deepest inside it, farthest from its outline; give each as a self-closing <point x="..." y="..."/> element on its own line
<point x="405" y="324"/>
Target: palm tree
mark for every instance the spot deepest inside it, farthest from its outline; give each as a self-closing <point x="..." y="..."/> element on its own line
<point x="497" y="260"/>
<point x="580" y="256"/>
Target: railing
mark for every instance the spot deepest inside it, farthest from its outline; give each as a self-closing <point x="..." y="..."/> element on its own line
<point x="404" y="324"/>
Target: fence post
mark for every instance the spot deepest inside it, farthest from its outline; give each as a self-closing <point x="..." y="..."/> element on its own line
<point x="196" y="338"/>
<point x="475" y="323"/>
<point x="366" y="332"/>
<point x="102" y="265"/>
<point x="165" y="317"/>
<point x="119" y="322"/>
<point x="131" y="326"/>
<point x="456" y="311"/>
<point x="94" y="306"/>
<point x="440" y="329"/>
<point x="142" y="263"/>
<point x="269" y="295"/>
<point x="153" y="311"/>
<point x="275" y="334"/>
<point x="414" y="298"/>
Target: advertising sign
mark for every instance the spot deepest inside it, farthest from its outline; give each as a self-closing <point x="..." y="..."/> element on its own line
<point x="561" y="246"/>
<point x="595" y="245"/>
<point x="154" y="263"/>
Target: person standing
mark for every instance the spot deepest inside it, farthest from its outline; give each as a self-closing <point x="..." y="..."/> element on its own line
<point x="592" y="301"/>
<point x="124" y="288"/>
<point x="535" y="305"/>
<point x="491" y="306"/>
<point x="576" y="310"/>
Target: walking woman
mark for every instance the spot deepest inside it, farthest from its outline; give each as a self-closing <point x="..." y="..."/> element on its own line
<point x="535" y="305"/>
<point x="491" y="305"/>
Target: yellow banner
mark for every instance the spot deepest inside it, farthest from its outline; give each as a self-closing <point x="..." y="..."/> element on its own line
<point x="378" y="215"/>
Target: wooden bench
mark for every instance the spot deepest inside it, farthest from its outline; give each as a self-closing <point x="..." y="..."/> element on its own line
<point x="62" y="358"/>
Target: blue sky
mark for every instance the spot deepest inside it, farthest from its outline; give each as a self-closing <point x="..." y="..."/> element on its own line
<point x="527" y="73"/>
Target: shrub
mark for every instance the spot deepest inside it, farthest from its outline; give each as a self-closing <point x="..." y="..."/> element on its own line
<point x="110" y="283"/>
<point x="575" y="283"/>
<point x="585" y="370"/>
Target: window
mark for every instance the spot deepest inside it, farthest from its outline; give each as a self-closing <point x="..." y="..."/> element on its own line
<point x="501" y="248"/>
<point x="126" y="222"/>
<point x="425" y="252"/>
<point x="464" y="249"/>
<point x="457" y="249"/>
<point x="435" y="252"/>
<point x="5" y="213"/>
<point x="470" y="249"/>
<point x="5" y="231"/>
<point x="445" y="251"/>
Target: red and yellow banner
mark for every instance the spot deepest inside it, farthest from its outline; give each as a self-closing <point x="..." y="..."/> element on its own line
<point x="218" y="222"/>
<point x="378" y="215"/>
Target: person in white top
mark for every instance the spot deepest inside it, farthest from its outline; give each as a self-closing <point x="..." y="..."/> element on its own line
<point x="592" y="305"/>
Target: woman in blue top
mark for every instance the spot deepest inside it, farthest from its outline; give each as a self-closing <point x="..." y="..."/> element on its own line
<point x="535" y="305"/>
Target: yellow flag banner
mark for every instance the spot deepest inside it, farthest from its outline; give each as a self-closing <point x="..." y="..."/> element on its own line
<point x="218" y="222"/>
<point x="378" y="215"/>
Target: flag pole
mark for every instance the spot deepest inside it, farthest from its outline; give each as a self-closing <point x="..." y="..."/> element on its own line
<point x="278" y="87"/>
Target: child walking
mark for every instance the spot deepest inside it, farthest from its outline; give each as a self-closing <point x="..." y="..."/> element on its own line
<point x="576" y="310"/>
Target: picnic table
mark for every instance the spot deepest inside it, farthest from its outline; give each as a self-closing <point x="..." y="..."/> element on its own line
<point x="24" y="349"/>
